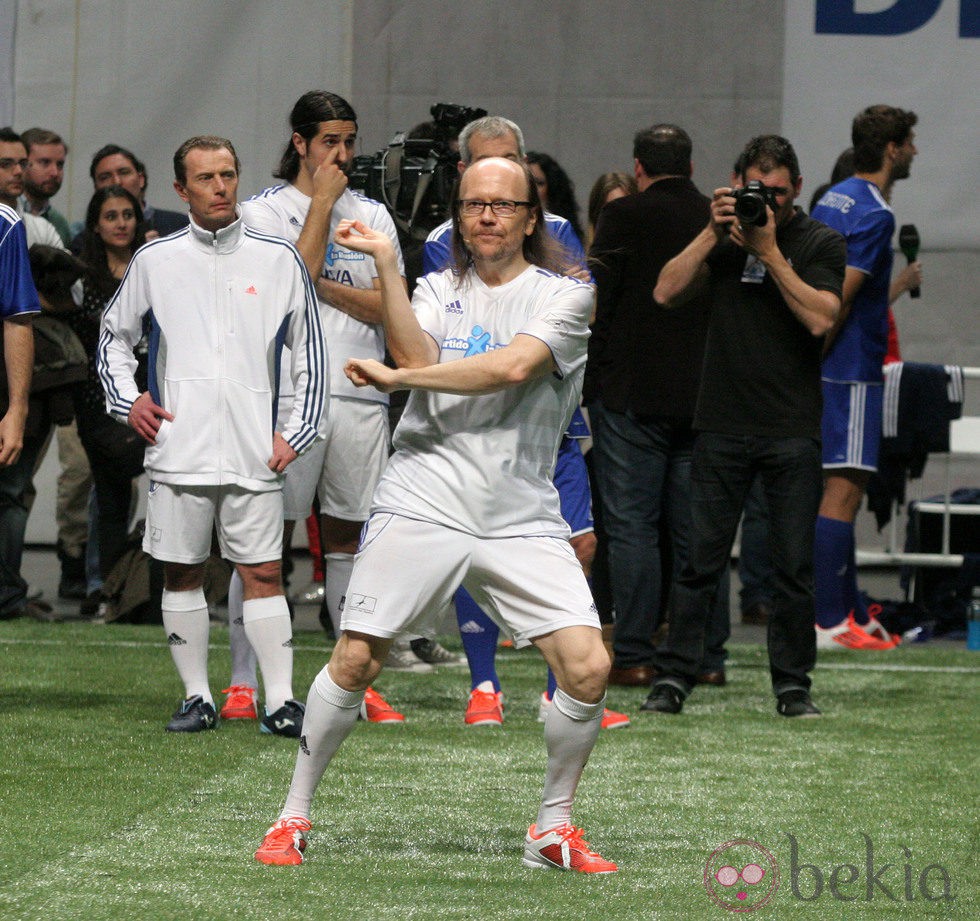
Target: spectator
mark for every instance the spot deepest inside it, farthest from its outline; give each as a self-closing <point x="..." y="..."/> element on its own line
<point x="557" y="191"/>
<point x="46" y="155"/>
<point x="18" y="304"/>
<point x="113" y="232"/>
<point x="641" y="386"/>
<point x="775" y="292"/>
<point x="608" y="187"/>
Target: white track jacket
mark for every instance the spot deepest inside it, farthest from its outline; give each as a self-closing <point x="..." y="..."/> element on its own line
<point x="221" y="306"/>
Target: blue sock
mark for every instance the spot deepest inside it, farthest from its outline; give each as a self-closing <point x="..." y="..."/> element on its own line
<point x="833" y="550"/>
<point x="552" y="684"/>
<point x="852" y="597"/>
<point x="479" y="634"/>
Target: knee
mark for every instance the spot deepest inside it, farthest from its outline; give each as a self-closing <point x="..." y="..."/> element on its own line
<point x="356" y="660"/>
<point x="586" y="679"/>
<point x="261" y="580"/>
<point x="183" y="577"/>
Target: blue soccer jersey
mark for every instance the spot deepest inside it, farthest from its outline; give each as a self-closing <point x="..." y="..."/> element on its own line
<point x="857" y="209"/>
<point x="17" y="291"/>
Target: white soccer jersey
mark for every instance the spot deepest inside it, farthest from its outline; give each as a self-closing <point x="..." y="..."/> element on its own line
<point x="483" y="464"/>
<point x="282" y="210"/>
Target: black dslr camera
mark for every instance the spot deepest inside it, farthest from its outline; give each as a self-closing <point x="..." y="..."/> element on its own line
<point x="751" y="201"/>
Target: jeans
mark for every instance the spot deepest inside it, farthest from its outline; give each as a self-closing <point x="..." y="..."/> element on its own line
<point x="722" y="470"/>
<point x="643" y="473"/>
<point x="754" y="565"/>
<point x="14" y="510"/>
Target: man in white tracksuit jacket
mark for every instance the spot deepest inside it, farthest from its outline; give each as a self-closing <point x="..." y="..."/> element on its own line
<point x="221" y="302"/>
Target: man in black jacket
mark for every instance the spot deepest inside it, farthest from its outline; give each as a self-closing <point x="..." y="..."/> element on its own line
<point x="641" y="385"/>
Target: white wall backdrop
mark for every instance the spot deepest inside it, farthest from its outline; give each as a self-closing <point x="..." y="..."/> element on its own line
<point x="149" y="75"/>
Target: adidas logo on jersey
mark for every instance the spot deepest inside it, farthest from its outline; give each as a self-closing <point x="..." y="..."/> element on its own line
<point x="175" y="640"/>
<point x="454" y="307"/>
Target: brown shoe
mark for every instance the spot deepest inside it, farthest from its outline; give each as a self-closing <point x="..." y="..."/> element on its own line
<point x="716" y="679"/>
<point x="638" y="676"/>
<point x="756" y="614"/>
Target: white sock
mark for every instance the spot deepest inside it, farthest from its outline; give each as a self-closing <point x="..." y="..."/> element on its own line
<point x="243" y="659"/>
<point x="185" y="621"/>
<point x="570" y="732"/>
<point x="331" y="713"/>
<point x="337" y="568"/>
<point x="270" y="632"/>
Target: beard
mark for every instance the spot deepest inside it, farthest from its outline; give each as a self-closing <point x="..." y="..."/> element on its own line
<point x="47" y="189"/>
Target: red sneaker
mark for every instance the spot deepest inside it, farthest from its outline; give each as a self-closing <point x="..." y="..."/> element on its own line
<point x="284" y="843"/>
<point x="376" y="709"/>
<point x="563" y="848"/>
<point x="485" y="708"/>
<point x="240" y="703"/>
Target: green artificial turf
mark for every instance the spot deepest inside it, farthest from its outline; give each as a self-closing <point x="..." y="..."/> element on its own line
<point x="103" y="815"/>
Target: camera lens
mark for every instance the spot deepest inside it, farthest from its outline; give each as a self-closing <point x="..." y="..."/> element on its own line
<point x="750" y="208"/>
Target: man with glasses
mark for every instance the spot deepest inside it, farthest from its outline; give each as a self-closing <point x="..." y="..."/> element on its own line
<point x="495" y="136"/>
<point x="47" y="407"/>
<point x="775" y="291"/>
<point x="494" y="349"/>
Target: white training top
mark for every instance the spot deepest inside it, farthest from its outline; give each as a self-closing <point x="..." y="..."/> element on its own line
<point x="221" y="307"/>
<point x="483" y="464"/>
<point x="282" y="210"/>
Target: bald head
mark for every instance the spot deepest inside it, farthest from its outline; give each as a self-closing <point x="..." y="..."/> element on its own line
<point x="500" y="173"/>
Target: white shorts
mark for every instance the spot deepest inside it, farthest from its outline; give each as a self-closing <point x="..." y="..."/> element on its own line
<point x="405" y="570"/>
<point x="344" y="468"/>
<point x="180" y="519"/>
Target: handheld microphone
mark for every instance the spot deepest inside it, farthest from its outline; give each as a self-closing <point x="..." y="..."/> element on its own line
<point x="908" y="243"/>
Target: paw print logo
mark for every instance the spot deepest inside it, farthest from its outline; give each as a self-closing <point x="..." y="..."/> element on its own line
<point x="741" y="875"/>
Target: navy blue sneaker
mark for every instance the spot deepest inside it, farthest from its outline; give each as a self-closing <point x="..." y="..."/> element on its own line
<point x="194" y="715"/>
<point x="286" y="721"/>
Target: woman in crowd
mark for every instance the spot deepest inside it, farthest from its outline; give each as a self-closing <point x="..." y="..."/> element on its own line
<point x="113" y="232"/>
<point x="555" y="189"/>
<point x="608" y="187"/>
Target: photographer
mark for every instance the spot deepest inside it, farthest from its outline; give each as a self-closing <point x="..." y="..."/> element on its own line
<point x="775" y="291"/>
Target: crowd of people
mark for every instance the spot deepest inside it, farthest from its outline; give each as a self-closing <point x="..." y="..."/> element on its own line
<point x="723" y="352"/>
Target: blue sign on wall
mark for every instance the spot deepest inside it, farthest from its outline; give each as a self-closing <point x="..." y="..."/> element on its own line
<point x="838" y="17"/>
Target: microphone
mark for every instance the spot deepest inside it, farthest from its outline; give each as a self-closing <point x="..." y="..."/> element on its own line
<point x="908" y="243"/>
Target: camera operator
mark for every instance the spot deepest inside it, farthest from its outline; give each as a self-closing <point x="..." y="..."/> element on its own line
<point x="775" y="291"/>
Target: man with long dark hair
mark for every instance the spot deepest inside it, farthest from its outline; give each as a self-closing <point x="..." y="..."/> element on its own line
<point x="305" y="209"/>
<point x="493" y="350"/>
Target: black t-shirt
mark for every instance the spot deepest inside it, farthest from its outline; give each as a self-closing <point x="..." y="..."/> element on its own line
<point x="762" y="367"/>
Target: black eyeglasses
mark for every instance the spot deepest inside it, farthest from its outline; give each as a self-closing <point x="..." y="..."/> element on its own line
<point x="472" y="207"/>
<point x="10" y="163"/>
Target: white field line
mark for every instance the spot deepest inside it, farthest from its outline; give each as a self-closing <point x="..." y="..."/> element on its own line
<point x="834" y="666"/>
